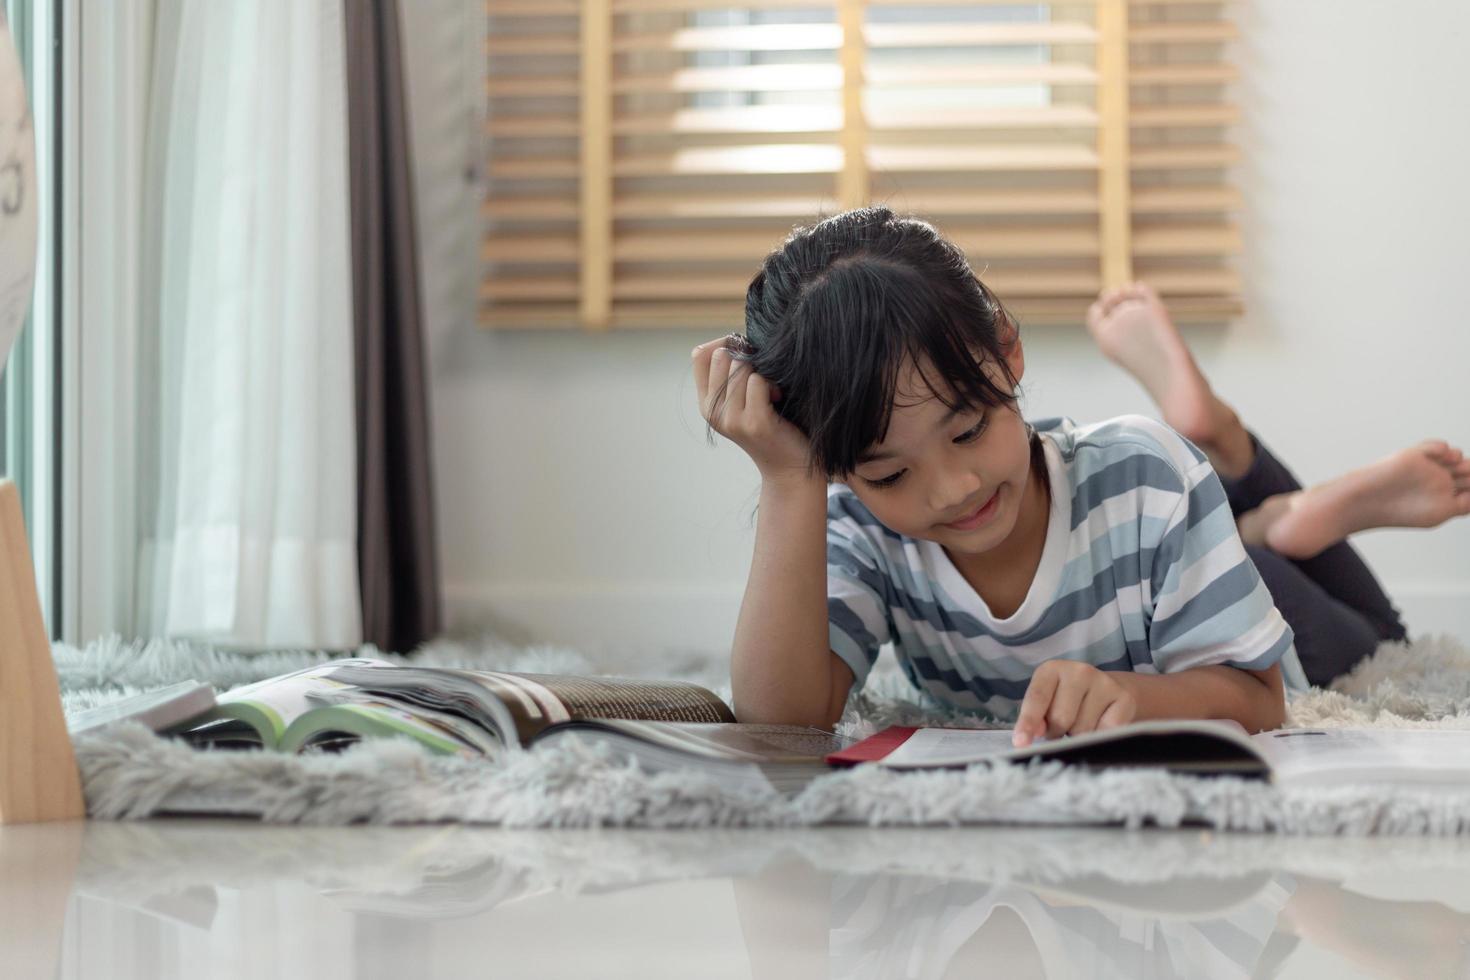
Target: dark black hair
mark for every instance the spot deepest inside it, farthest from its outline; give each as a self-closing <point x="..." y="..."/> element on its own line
<point x="837" y="311"/>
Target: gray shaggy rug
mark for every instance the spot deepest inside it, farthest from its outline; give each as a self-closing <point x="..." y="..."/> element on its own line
<point x="130" y="773"/>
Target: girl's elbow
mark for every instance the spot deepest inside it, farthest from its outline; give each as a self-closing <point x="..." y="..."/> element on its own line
<point x="1274" y="715"/>
<point x="1271" y="713"/>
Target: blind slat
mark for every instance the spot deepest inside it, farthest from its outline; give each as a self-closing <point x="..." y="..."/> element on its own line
<point x="915" y="159"/>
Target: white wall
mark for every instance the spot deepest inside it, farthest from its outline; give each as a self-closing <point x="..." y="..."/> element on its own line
<point x="578" y="500"/>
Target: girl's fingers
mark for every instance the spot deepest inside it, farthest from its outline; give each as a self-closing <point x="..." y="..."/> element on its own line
<point x="1065" y="703"/>
<point x="735" y="388"/>
<point x="1120" y="712"/>
<point x="1031" y="720"/>
<point x="700" y="358"/>
<point x="1090" y="711"/>
<point x="719" y="370"/>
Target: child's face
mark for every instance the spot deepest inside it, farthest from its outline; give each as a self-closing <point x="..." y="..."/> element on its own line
<point x="960" y="478"/>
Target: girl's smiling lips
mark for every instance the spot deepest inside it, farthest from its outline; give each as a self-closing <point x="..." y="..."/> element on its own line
<point x="978" y="517"/>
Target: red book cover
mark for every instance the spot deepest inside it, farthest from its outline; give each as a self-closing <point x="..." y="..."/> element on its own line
<point x="872" y="748"/>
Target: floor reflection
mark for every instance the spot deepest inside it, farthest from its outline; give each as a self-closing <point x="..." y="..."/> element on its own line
<point x="204" y="897"/>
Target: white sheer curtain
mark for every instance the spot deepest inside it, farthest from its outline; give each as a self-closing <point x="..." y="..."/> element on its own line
<point x="247" y="503"/>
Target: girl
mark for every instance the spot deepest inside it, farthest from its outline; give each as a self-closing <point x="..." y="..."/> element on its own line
<point x="1064" y="578"/>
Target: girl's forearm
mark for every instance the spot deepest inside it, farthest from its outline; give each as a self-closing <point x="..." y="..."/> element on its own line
<point x="780" y="663"/>
<point x="1255" y="699"/>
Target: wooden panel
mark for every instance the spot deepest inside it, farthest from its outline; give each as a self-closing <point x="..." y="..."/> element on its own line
<point x="38" y="771"/>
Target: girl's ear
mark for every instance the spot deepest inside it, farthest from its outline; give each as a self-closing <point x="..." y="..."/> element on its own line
<point x="1010" y="342"/>
<point x="1015" y="355"/>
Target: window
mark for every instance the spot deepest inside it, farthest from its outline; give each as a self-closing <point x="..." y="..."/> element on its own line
<point x="645" y="154"/>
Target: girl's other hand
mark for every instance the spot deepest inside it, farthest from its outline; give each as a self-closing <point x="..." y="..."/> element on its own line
<point x="739" y="404"/>
<point x="1066" y="697"/>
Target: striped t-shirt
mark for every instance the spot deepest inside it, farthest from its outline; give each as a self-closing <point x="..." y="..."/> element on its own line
<point x="1142" y="570"/>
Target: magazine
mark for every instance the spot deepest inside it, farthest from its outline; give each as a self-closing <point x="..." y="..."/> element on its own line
<point x="1294" y="756"/>
<point x="159" y="709"/>
<point x="473" y="713"/>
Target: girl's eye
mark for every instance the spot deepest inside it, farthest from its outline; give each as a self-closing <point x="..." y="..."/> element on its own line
<point x="887" y="481"/>
<point x="971" y="435"/>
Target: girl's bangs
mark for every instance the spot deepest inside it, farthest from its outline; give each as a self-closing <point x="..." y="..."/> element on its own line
<point x="891" y="316"/>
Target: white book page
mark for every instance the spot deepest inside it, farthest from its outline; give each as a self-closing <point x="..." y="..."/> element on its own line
<point x="949" y="746"/>
<point x="960" y="746"/>
<point x="1322" y="755"/>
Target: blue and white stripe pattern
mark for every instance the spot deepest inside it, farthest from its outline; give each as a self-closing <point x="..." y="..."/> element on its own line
<point x="1142" y="570"/>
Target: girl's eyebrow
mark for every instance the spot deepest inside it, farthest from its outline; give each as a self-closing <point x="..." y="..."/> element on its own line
<point x="872" y="457"/>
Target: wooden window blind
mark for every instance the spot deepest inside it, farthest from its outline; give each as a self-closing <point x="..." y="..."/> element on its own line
<point x="644" y="155"/>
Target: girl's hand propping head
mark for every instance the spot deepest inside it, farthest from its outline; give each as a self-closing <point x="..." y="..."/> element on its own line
<point x="739" y="404"/>
<point x="1067" y="697"/>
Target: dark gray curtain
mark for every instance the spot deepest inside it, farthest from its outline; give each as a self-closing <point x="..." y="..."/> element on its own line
<point x="397" y="560"/>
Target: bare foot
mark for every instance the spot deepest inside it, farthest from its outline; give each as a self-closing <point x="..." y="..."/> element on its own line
<point x="1422" y="486"/>
<point x="1132" y="328"/>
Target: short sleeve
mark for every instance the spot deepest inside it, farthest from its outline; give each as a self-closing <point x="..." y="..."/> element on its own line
<point x="858" y="619"/>
<point x="1210" y="605"/>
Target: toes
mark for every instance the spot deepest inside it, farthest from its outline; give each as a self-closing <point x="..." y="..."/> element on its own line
<point x="1436" y="449"/>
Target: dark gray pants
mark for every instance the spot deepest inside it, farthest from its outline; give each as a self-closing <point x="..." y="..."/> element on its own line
<point x="1332" y="602"/>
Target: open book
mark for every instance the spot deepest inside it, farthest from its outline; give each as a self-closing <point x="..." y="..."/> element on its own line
<point x="664" y="724"/>
<point x="1294" y="756"/>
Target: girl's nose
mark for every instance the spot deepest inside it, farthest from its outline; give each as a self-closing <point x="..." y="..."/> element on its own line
<point x="955" y="491"/>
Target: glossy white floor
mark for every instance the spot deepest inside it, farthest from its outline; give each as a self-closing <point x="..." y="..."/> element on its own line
<point x="199" y="898"/>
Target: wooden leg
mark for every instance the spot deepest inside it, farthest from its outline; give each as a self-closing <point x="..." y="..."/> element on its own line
<point x="38" y="772"/>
